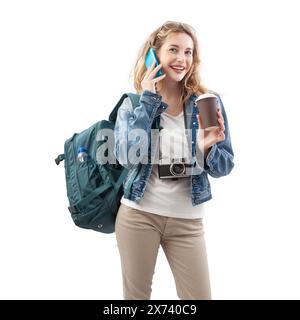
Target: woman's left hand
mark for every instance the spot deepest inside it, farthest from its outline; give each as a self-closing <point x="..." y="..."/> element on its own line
<point x="212" y="135"/>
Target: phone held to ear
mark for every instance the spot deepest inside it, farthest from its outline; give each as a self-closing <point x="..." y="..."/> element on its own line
<point x="149" y="59"/>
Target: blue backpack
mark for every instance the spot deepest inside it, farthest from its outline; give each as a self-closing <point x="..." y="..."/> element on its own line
<point x="94" y="190"/>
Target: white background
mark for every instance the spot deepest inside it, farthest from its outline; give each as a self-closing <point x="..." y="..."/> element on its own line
<point x="65" y="64"/>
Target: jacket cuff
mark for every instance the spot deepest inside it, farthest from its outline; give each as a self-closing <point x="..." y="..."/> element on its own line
<point x="208" y="163"/>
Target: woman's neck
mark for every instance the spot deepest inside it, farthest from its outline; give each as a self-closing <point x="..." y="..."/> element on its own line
<point x="170" y="91"/>
<point x="173" y="99"/>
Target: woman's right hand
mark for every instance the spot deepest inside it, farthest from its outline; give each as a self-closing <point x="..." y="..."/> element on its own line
<point x="149" y="82"/>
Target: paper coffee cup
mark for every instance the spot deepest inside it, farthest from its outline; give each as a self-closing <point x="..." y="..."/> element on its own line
<point x="208" y="105"/>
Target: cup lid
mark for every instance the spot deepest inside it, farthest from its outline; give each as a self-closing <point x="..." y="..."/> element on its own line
<point x="206" y="95"/>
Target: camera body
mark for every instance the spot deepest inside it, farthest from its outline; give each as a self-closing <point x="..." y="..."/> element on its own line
<point x="178" y="168"/>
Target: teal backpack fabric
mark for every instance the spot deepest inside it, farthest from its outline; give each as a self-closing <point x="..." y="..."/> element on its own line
<point x="94" y="189"/>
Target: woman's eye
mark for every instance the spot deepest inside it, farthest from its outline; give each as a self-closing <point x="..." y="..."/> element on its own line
<point x="174" y="50"/>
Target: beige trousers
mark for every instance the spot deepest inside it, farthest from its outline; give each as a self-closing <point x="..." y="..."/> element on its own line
<point x="139" y="235"/>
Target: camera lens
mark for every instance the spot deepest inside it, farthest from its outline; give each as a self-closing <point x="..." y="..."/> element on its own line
<point x="177" y="169"/>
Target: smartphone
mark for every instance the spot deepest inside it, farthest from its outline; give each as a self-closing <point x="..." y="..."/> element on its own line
<point x="149" y="59"/>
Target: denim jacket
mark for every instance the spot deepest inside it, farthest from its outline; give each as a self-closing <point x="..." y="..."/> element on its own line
<point x="146" y="117"/>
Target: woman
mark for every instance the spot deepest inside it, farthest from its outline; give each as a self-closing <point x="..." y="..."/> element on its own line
<point x="159" y="207"/>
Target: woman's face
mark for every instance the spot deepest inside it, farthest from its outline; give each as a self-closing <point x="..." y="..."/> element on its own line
<point x="176" y="56"/>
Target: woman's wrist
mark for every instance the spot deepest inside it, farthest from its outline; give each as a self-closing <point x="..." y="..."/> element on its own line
<point x="206" y="151"/>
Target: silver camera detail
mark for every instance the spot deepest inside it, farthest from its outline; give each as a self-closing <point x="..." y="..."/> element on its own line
<point x="178" y="168"/>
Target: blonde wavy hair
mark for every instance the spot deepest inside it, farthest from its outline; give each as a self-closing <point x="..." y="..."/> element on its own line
<point x="191" y="83"/>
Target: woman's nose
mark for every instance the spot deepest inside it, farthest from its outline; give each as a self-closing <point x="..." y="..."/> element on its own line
<point x="180" y="57"/>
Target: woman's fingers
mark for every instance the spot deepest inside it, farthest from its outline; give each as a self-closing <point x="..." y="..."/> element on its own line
<point x="149" y="82"/>
<point x="154" y="71"/>
<point x="159" y="78"/>
<point x="221" y="122"/>
<point x="219" y="114"/>
<point x="220" y="119"/>
<point x="149" y="70"/>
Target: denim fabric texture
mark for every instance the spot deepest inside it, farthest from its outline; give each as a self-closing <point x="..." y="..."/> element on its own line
<point x="146" y="117"/>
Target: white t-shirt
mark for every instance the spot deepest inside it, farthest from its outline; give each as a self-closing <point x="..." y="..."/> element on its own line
<point x="169" y="197"/>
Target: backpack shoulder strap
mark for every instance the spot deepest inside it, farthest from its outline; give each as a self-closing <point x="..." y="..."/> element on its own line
<point x="135" y="99"/>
